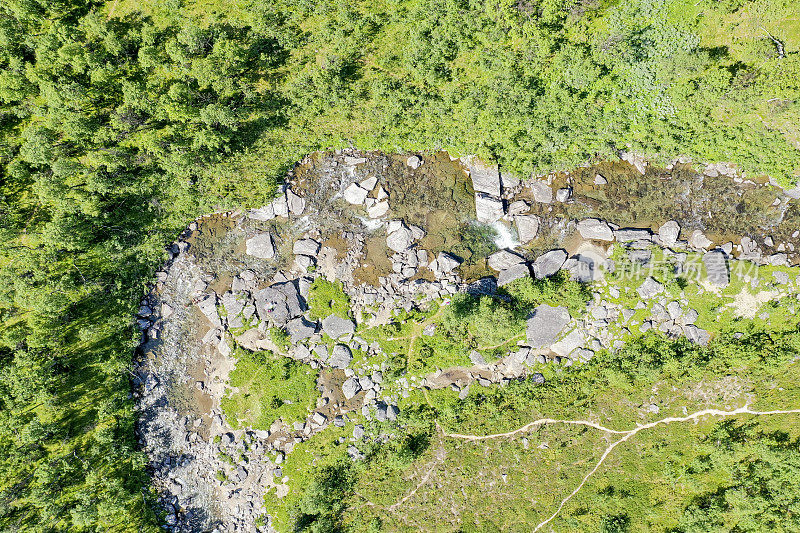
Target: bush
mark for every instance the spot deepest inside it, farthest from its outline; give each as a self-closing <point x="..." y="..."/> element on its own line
<point x="326" y="298"/>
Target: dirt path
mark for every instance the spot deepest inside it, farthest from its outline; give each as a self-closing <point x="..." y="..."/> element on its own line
<point x="626" y="435"/>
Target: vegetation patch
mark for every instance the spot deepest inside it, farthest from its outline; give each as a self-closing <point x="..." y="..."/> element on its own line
<point x="328" y="298"/>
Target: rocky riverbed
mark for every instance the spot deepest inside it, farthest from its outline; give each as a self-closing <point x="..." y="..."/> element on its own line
<point x="401" y="233"/>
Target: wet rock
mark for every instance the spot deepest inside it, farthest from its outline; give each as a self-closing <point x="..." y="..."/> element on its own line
<point x="549" y="263"/>
<point x="595" y="229"/>
<point x="546" y="324"/>
<point x="341" y="356"/>
<point x="260" y="246"/>
<point x="527" y="227"/>
<point x="503" y="260"/>
<point x="669" y="232"/>
<point x="336" y="327"/>
<point x="355" y="194"/>
<point x="513" y="273"/>
<point x="488" y="208"/>
<point x="649" y="289"/>
<point x="716" y="268"/>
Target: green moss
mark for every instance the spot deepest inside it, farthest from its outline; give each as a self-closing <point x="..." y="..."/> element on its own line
<point x="326" y="298"/>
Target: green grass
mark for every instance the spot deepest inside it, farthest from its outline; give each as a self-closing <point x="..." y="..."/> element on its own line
<point x="266" y="387"/>
<point x="328" y="298"/>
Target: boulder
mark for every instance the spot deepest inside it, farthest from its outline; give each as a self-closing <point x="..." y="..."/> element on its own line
<point x="537" y="378"/>
<point x="485" y="178"/>
<point x="513" y="273"/>
<point x="350" y="388"/>
<point x="355" y="194"/>
<point x="208" y="306"/>
<point x="295" y="204"/>
<point x="649" y="289"/>
<point x="260" y="246"/>
<point x="476" y="358"/>
<point x="549" y="263"/>
<point x="340" y="357"/>
<point x="527" y="227"/>
<point x="400" y="239"/>
<point x="518" y="208"/>
<point x="571" y="342"/>
<point x="699" y="241"/>
<point x="488" y="208"/>
<point x="563" y="194"/>
<point x="446" y="262"/>
<point x="595" y="229"/>
<point x="599" y="179"/>
<point x="300" y="328"/>
<point x="669" y="232"/>
<point x="546" y="324"/>
<point x="636" y="160"/>
<point x="633" y="234"/>
<point x="306" y="247"/>
<point x="378" y="210"/>
<point x="414" y="161"/>
<point x="336" y="326"/>
<point x="504" y="259"/>
<point x="542" y="193"/>
<point x="716" y="268"/>
<point x="369" y="183"/>
<point x="697" y="335"/>
<point x="262" y="213"/>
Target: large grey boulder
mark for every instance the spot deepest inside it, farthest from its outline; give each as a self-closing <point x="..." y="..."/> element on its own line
<point x="513" y="273"/>
<point x="294" y="203"/>
<point x="697" y="335"/>
<point x="485" y="178"/>
<point x="542" y="192"/>
<point x="595" y="229"/>
<point x="668" y="233"/>
<point x="563" y="194"/>
<point x="350" y="388"/>
<point x="527" y="227"/>
<point x="444" y="263"/>
<point x="699" y="241"/>
<point x="260" y="246"/>
<point x="299" y="328"/>
<point x="649" y="289"/>
<point x="355" y="194"/>
<point x="278" y="303"/>
<point x="546" y="325"/>
<point x="504" y="259"/>
<point x="414" y="161"/>
<point x="340" y="357"/>
<point x="571" y="342"/>
<point x="308" y="247"/>
<point x="208" y="306"/>
<point x="400" y="239"/>
<point x="262" y="213"/>
<point x="633" y="234"/>
<point x="549" y="263"/>
<point x="488" y="208"/>
<point x="716" y="268"/>
<point x="336" y="326"/>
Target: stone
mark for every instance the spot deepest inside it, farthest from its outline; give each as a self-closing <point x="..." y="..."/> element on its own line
<point x="299" y="328"/>
<point x="513" y="273"/>
<point x="262" y="213"/>
<point x="716" y="268"/>
<point x="571" y="342"/>
<point x="208" y="306"/>
<point x="697" y="335"/>
<point x="336" y="327"/>
<point x="504" y="259"/>
<point x="518" y="208"/>
<point x="781" y="278"/>
<point x="340" y="357"/>
<point x="355" y="194"/>
<point x="538" y="378"/>
<point x="634" y="159"/>
<point x="699" y="241"/>
<point x="378" y="210"/>
<point x="649" y="289"/>
<point x="369" y="183"/>
<point x="595" y="229"/>
<point x="446" y="262"/>
<point x="669" y="232"/>
<point x="414" y="161"/>
<point x="400" y="239"/>
<point x="563" y="194"/>
<point x="350" y="388"/>
<point x="485" y="178"/>
<point x="599" y="179"/>
<point x="780" y="259"/>
<point x="306" y="247"/>
<point x="542" y="193"/>
<point x="358" y="432"/>
<point x="546" y="324"/>
<point x="353" y="161"/>
<point x="260" y="246"/>
<point x="280" y="206"/>
<point x="488" y="208"/>
<point x="318" y="418"/>
<point x="233" y="304"/>
<point x="549" y="263"/>
<point x="527" y="227"/>
<point x="476" y="358"/>
<point x="632" y="234"/>
<point x="295" y="203"/>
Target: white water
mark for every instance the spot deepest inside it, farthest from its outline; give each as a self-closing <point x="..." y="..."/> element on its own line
<point x="505" y="237"/>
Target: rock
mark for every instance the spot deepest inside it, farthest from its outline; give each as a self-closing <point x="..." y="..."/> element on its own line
<point x="697" y="335"/>
<point x="208" y="306"/>
<point x="636" y="160"/>
<point x="780" y="259"/>
<point x="414" y="161"/>
<point x="564" y="194"/>
<point x="504" y="259"/>
<point x="318" y="418"/>
<point x="355" y="194"/>
<point x="295" y="203"/>
<point x="350" y="388"/>
<point x="340" y="357"/>
<point x="280" y="206"/>
<point x="446" y="262"/>
<point x="546" y="324"/>
<point x="649" y="289"/>
<point x="669" y="232"/>
<point x="595" y="229"/>
<point x="488" y="208"/>
<point x="401" y="239"/>
<point x="513" y="273"/>
<point x="378" y="210"/>
<point x="699" y="241"/>
<point x="542" y="193"/>
<point x="476" y="358"/>
<point x="262" y="213"/>
<point x="306" y="247"/>
<point x="335" y="326"/>
<point x="573" y="340"/>
<point x="353" y="161"/>
<point x="549" y="263"/>
<point x="537" y="378"/>
<point x="781" y="278"/>
<point x="358" y="432"/>
<point x="519" y="207"/>
<point x="633" y="234"/>
<point x="716" y="268"/>
<point x="369" y="183"/>
<point x="278" y="303"/>
<point x="260" y="246"/>
<point x="527" y="227"/>
<point x="300" y="328"/>
<point x="599" y="179"/>
<point x="485" y="178"/>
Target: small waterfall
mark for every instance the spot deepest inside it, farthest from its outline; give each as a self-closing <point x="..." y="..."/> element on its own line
<point x="505" y="236"/>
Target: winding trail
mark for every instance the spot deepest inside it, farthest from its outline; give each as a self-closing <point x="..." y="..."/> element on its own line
<point x="626" y="435"/>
